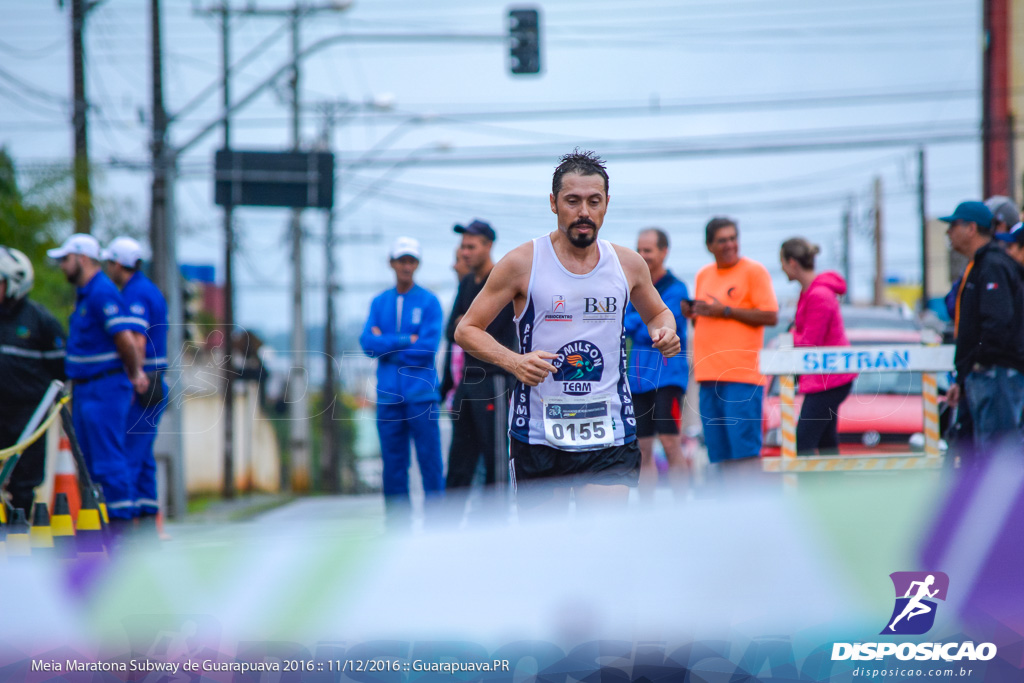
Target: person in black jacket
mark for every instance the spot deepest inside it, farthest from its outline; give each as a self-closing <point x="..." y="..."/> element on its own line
<point x="479" y="428"/>
<point x="31" y="356"/>
<point x="988" y="323"/>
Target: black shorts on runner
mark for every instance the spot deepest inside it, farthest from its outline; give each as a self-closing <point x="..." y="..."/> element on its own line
<point x="658" y="411"/>
<point x="605" y="466"/>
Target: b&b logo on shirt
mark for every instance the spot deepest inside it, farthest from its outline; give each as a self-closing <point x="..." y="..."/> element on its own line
<point x="579" y="365"/>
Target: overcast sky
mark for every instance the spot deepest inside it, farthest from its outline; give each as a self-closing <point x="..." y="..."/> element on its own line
<point x="700" y="108"/>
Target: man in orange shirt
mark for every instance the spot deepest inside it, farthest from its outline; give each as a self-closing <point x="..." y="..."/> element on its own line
<point x="734" y="301"/>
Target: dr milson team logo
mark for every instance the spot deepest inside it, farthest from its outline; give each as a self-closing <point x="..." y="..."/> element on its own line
<point x="913" y="614"/>
<point x="580" y="365"/>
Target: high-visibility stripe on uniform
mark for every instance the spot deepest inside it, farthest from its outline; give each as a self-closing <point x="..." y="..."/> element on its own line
<point x="98" y="358"/>
<point x="28" y="353"/>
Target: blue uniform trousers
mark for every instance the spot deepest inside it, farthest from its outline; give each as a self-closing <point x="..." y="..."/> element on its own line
<point x="398" y="423"/>
<point x="100" y="417"/>
<point x="142" y="430"/>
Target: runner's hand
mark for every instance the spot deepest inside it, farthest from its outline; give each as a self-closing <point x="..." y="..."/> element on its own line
<point x="532" y="368"/>
<point x="665" y="340"/>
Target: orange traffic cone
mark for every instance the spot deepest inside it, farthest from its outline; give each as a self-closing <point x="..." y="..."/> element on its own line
<point x="66" y="478"/>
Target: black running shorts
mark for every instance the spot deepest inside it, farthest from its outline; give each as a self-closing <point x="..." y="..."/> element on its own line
<point x="606" y="466"/>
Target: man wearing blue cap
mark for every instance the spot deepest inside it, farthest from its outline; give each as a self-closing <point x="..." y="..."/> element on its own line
<point x="479" y="429"/>
<point x="105" y="367"/>
<point x="988" y="324"/>
<point x="1014" y="242"/>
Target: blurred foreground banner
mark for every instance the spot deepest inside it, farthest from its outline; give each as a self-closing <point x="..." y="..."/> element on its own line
<point x="840" y="577"/>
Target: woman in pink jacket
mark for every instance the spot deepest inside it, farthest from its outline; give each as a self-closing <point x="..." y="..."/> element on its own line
<point x="818" y="322"/>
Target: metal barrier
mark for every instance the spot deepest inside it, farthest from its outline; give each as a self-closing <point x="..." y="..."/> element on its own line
<point x="786" y="362"/>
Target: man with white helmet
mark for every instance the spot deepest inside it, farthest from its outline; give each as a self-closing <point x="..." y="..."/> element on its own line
<point x="31" y="356"/>
<point x="146" y="305"/>
<point x="105" y="367"/>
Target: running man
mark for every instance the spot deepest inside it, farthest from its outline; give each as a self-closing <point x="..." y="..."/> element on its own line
<point x="915" y="606"/>
<point x="572" y="414"/>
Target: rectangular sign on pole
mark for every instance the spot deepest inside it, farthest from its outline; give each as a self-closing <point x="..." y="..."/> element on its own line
<point x="824" y="360"/>
<point x="289" y="179"/>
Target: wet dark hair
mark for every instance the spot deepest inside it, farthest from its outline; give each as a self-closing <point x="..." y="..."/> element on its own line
<point x="716" y="224"/>
<point x="800" y="250"/>
<point x="583" y="163"/>
<point x="660" y="236"/>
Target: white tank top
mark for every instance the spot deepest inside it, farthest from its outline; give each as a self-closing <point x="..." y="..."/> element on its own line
<point x="586" y="404"/>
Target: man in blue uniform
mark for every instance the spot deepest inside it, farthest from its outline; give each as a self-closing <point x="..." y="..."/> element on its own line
<point x="402" y="333"/>
<point x="146" y="306"/>
<point x="658" y="383"/>
<point x="105" y="366"/>
<point x="31" y="356"/>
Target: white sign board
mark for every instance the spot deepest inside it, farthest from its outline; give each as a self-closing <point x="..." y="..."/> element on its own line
<point x="826" y="360"/>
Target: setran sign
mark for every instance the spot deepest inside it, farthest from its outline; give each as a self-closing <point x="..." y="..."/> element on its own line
<point x="291" y="179"/>
<point x="824" y="360"/>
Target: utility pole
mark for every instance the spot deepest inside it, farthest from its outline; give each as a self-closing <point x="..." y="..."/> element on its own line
<point x="997" y="99"/>
<point x="925" y="240"/>
<point x="329" y="450"/>
<point x="299" y="438"/>
<point x="879" y="297"/>
<point x="164" y="264"/>
<point x="83" y="195"/>
<point x="158" y="148"/>
<point x="228" y="487"/>
<point x="847" y="224"/>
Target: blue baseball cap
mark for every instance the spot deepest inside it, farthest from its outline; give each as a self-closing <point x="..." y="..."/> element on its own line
<point x="1016" y="234"/>
<point x="971" y="212"/>
<point x="477" y="227"/>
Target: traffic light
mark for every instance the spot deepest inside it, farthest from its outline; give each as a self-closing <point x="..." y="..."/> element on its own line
<point x="524" y="40"/>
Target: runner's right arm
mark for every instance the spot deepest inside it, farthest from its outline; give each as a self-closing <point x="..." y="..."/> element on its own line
<point x="508" y="283"/>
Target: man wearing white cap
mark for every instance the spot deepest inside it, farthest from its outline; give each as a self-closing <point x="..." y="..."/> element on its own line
<point x="105" y="366"/>
<point x="147" y="306"/>
<point x="402" y="333"/>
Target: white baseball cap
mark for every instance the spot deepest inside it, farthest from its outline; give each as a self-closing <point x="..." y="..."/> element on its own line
<point x="405" y="246"/>
<point x="124" y="250"/>
<point x="79" y="243"/>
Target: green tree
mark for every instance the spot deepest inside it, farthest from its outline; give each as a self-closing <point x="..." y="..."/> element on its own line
<point x="32" y="220"/>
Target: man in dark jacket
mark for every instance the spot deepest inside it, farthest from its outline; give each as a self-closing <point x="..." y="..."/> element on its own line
<point x="480" y="407"/>
<point x="988" y="323"/>
<point x="31" y="356"/>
